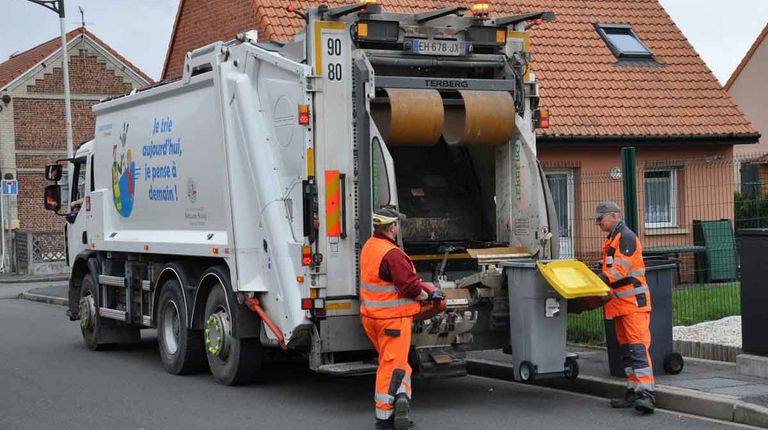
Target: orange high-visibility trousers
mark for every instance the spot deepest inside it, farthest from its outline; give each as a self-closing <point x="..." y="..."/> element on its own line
<point x="392" y="339"/>
<point x="634" y="337"/>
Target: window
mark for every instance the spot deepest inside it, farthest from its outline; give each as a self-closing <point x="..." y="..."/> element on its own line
<point x="623" y="42"/>
<point x="660" y="198"/>
<point x="381" y="194"/>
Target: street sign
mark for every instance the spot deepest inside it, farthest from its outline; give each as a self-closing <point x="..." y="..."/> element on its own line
<point x="10" y="187"/>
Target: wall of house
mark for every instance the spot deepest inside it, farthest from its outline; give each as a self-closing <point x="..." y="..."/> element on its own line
<point x="32" y="126"/>
<point x="199" y="23"/>
<point x="704" y="188"/>
<point x="750" y="92"/>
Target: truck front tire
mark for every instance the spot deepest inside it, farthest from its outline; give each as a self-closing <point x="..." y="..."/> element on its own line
<point x="181" y="349"/>
<point x="90" y="323"/>
<point x="233" y="361"/>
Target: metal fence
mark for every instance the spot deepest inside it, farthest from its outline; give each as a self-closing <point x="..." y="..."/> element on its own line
<point x="39" y="252"/>
<point x="689" y="213"/>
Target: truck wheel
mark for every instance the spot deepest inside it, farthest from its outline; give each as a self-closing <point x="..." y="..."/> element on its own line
<point x="90" y="323"/>
<point x="181" y="349"/>
<point x="232" y="361"/>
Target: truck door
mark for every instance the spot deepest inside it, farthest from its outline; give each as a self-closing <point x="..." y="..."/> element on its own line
<point x="77" y="239"/>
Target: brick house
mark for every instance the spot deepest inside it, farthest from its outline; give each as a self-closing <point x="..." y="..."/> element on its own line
<point x="32" y="128"/>
<point x="612" y="73"/>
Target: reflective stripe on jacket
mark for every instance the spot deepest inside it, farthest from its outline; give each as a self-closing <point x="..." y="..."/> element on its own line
<point x="379" y="298"/>
<point x="624" y="272"/>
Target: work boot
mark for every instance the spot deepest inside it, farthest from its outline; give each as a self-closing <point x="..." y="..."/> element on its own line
<point x="645" y="402"/>
<point x="402" y="413"/>
<point x="390" y="424"/>
<point x="627" y="401"/>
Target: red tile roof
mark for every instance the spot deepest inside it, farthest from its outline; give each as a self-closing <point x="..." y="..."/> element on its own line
<point x="587" y="93"/>
<point x="21" y="63"/>
<point x="745" y="60"/>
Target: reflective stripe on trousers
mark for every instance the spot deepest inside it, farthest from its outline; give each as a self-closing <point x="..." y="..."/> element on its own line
<point x="392" y="339"/>
<point x="634" y="338"/>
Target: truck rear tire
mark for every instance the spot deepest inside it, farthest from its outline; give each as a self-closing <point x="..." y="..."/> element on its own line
<point x="181" y="349"/>
<point x="232" y="361"/>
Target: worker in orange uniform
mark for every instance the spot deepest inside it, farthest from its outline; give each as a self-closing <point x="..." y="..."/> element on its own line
<point x="390" y="295"/>
<point x="628" y="305"/>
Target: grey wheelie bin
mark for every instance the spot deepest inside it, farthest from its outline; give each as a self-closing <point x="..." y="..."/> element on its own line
<point x="537" y="317"/>
<point x="660" y="277"/>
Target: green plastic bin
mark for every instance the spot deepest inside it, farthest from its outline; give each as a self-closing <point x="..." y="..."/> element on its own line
<point x="718" y="262"/>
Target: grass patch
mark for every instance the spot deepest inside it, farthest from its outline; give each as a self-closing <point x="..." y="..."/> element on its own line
<point x="695" y="303"/>
<point x="691" y="304"/>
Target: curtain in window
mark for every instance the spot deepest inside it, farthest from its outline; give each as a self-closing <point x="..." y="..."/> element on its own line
<point x="558" y="184"/>
<point x="658" y="197"/>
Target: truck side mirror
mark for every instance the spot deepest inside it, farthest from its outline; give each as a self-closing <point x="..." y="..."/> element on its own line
<point x="53" y="172"/>
<point x="52" y="200"/>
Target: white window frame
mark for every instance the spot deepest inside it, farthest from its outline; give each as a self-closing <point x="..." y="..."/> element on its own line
<point x="672" y="199"/>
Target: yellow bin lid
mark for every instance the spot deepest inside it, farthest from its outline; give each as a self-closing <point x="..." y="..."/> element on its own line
<point x="572" y="279"/>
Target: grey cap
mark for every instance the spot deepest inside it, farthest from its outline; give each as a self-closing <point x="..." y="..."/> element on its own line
<point x="386" y="216"/>
<point x="606" y="207"/>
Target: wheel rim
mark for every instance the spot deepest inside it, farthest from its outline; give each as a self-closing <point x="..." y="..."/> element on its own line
<point x="525" y="373"/>
<point x="218" y="333"/>
<point x="87" y="311"/>
<point x="171" y="328"/>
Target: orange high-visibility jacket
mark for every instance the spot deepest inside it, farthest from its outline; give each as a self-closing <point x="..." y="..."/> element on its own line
<point x="379" y="298"/>
<point x="624" y="272"/>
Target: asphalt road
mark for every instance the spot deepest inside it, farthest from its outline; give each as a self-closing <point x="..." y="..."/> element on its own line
<point x="49" y="380"/>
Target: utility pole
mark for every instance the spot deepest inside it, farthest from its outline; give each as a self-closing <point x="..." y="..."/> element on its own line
<point x="3" y="268"/>
<point x="57" y="6"/>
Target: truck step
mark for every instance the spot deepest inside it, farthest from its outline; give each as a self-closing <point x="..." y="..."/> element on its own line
<point x="352" y="368"/>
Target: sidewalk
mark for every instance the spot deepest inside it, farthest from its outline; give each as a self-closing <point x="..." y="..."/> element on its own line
<point x="705" y="388"/>
<point x="54" y="294"/>
<point x="26" y="279"/>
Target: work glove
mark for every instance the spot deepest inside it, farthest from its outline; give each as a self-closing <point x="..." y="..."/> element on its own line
<point x="435" y="295"/>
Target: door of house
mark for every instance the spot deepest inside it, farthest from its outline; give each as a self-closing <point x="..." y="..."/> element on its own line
<point x="561" y="184"/>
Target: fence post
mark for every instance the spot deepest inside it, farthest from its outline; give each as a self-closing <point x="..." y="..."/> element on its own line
<point x="629" y="182"/>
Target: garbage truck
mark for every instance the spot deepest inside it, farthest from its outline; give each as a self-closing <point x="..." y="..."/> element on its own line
<point x="227" y="209"/>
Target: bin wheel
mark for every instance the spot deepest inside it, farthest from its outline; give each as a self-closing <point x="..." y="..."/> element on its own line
<point x="526" y="372"/>
<point x="673" y="363"/>
<point x="571" y="370"/>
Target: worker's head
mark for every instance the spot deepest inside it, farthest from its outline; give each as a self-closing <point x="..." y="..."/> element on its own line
<point x="387" y="221"/>
<point x="607" y="215"/>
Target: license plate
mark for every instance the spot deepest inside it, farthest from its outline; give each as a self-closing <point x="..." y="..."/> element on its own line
<point x="438" y="47"/>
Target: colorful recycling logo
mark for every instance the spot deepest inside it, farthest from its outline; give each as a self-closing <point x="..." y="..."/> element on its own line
<point x="123" y="176"/>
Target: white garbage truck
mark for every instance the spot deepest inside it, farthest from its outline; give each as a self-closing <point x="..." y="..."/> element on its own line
<point x="227" y="209"/>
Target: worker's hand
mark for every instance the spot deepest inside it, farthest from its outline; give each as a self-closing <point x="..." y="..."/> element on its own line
<point x="608" y="296"/>
<point x="435" y="295"/>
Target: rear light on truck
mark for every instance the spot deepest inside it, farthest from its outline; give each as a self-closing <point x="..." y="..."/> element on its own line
<point x="541" y="118"/>
<point x="304" y="114"/>
<point x="376" y="30"/>
<point x="306" y="255"/>
<point x="309" y="304"/>
<point x="486" y="36"/>
<point x="544" y="123"/>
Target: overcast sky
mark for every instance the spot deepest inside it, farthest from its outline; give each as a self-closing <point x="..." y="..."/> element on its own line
<point x="721" y="31"/>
